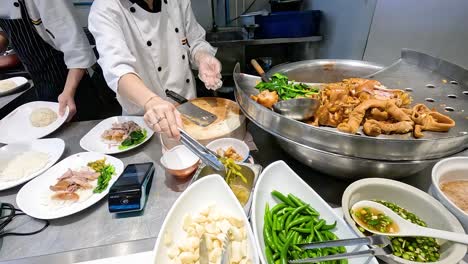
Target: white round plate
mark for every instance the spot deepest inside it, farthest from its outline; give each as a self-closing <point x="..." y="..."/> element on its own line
<point x="194" y="199"/>
<point x="16" y="127"/>
<point x="54" y="147"/>
<point x="93" y="141"/>
<point x="31" y="198"/>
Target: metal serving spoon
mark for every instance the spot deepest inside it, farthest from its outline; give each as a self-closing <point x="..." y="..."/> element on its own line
<point x="298" y="109"/>
<point x="406" y="228"/>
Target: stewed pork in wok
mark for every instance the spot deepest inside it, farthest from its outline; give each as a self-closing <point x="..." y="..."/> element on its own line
<point x="356" y="102"/>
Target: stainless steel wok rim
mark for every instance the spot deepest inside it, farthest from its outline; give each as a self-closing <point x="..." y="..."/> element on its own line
<point x="335" y="133"/>
<point x="322" y="62"/>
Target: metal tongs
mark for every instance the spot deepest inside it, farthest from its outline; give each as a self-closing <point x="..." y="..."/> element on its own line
<point x="207" y="156"/>
<point x="370" y="240"/>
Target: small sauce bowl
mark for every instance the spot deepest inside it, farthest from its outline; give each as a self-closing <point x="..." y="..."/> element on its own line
<point x="224" y="143"/>
<point x="180" y="162"/>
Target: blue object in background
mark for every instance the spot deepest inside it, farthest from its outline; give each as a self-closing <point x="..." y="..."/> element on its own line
<point x="290" y="24"/>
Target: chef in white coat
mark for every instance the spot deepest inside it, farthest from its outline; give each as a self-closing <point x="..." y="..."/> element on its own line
<point x="148" y="46"/>
<point x="54" y="49"/>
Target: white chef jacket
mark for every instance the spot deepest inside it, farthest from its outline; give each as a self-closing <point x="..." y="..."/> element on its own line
<point x="158" y="47"/>
<point x="55" y="22"/>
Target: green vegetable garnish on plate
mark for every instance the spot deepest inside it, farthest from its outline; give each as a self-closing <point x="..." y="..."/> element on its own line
<point x="106" y="171"/>
<point x="135" y="138"/>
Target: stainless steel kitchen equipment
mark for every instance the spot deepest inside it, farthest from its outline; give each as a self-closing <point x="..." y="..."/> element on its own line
<point x="194" y="113"/>
<point x="439" y="84"/>
<point x="348" y="167"/>
<point x="206" y="155"/>
<point x="325" y="71"/>
<point x="298" y="108"/>
<point x="203" y="249"/>
<point x="407" y="73"/>
<point x="249" y="170"/>
<point x="383" y="241"/>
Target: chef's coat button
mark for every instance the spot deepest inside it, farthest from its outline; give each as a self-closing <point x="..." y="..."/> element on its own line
<point x="132" y="9"/>
<point x="159" y="69"/>
<point x="149" y="43"/>
<point x="183" y="57"/>
<point x="16" y="4"/>
<point x="165" y="1"/>
<point x="176" y="30"/>
<point x="187" y="81"/>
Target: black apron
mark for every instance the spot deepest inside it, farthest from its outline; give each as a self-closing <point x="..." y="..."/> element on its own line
<point x="46" y="65"/>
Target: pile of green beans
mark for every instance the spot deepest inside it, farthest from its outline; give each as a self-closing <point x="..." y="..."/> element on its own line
<point x="420" y="249"/>
<point x="292" y="222"/>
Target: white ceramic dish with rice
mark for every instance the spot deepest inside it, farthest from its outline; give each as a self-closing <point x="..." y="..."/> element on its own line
<point x="21" y="162"/>
<point x="414" y="200"/>
<point x="17" y="126"/>
<point x="35" y="198"/>
<point x="13" y="85"/>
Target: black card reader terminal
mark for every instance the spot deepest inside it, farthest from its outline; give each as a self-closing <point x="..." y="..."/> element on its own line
<point x="129" y="193"/>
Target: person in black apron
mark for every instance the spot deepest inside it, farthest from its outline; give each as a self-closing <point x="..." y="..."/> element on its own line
<point x="47" y="68"/>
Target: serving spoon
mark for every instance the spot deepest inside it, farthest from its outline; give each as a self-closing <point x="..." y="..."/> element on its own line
<point x="297" y="108"/>
<point x="405" y="227"/>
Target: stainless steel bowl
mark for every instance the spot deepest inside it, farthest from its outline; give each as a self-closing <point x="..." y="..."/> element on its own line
<point x="347" y="167"/>
<point x="385" y="147"/>
<point x="344" y="155"/>
<point x="325" y="71"/>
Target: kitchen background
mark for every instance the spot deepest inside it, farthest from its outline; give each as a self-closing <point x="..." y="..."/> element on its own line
<point x="373" y="30"/>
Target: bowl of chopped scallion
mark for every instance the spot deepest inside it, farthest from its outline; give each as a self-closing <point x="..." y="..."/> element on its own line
<point x="417" y="207"/>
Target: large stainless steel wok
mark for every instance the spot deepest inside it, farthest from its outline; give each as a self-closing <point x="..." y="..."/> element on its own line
<point x="357" y="156"/>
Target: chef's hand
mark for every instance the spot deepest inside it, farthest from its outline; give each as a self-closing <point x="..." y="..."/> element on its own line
<point x="163" y="117"/>
<point x="66" y="99"/>
<point x="209" y="70"/>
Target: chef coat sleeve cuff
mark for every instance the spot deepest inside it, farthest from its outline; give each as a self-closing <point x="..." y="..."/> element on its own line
<point x="114" y="75"/>
<point x="85" y="60"/>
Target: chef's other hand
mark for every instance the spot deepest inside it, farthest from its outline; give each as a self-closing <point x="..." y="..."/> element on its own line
<point x="163" y="117"/>
<point x="66" y="99"/>
<point x="209" y="70"/>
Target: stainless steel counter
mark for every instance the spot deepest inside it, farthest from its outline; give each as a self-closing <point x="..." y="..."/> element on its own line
<point x="94" y="233"/>
<point x="4" y="100"/>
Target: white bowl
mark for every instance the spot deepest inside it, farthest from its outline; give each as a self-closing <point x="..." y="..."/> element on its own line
<point x="415" y="201"/>
<point x="446" y="170"/>
<point x="224" y="143"/>
<point x="278" y="176"/>
<point x="204" y="192"/>
<point x="180" y="161"/>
